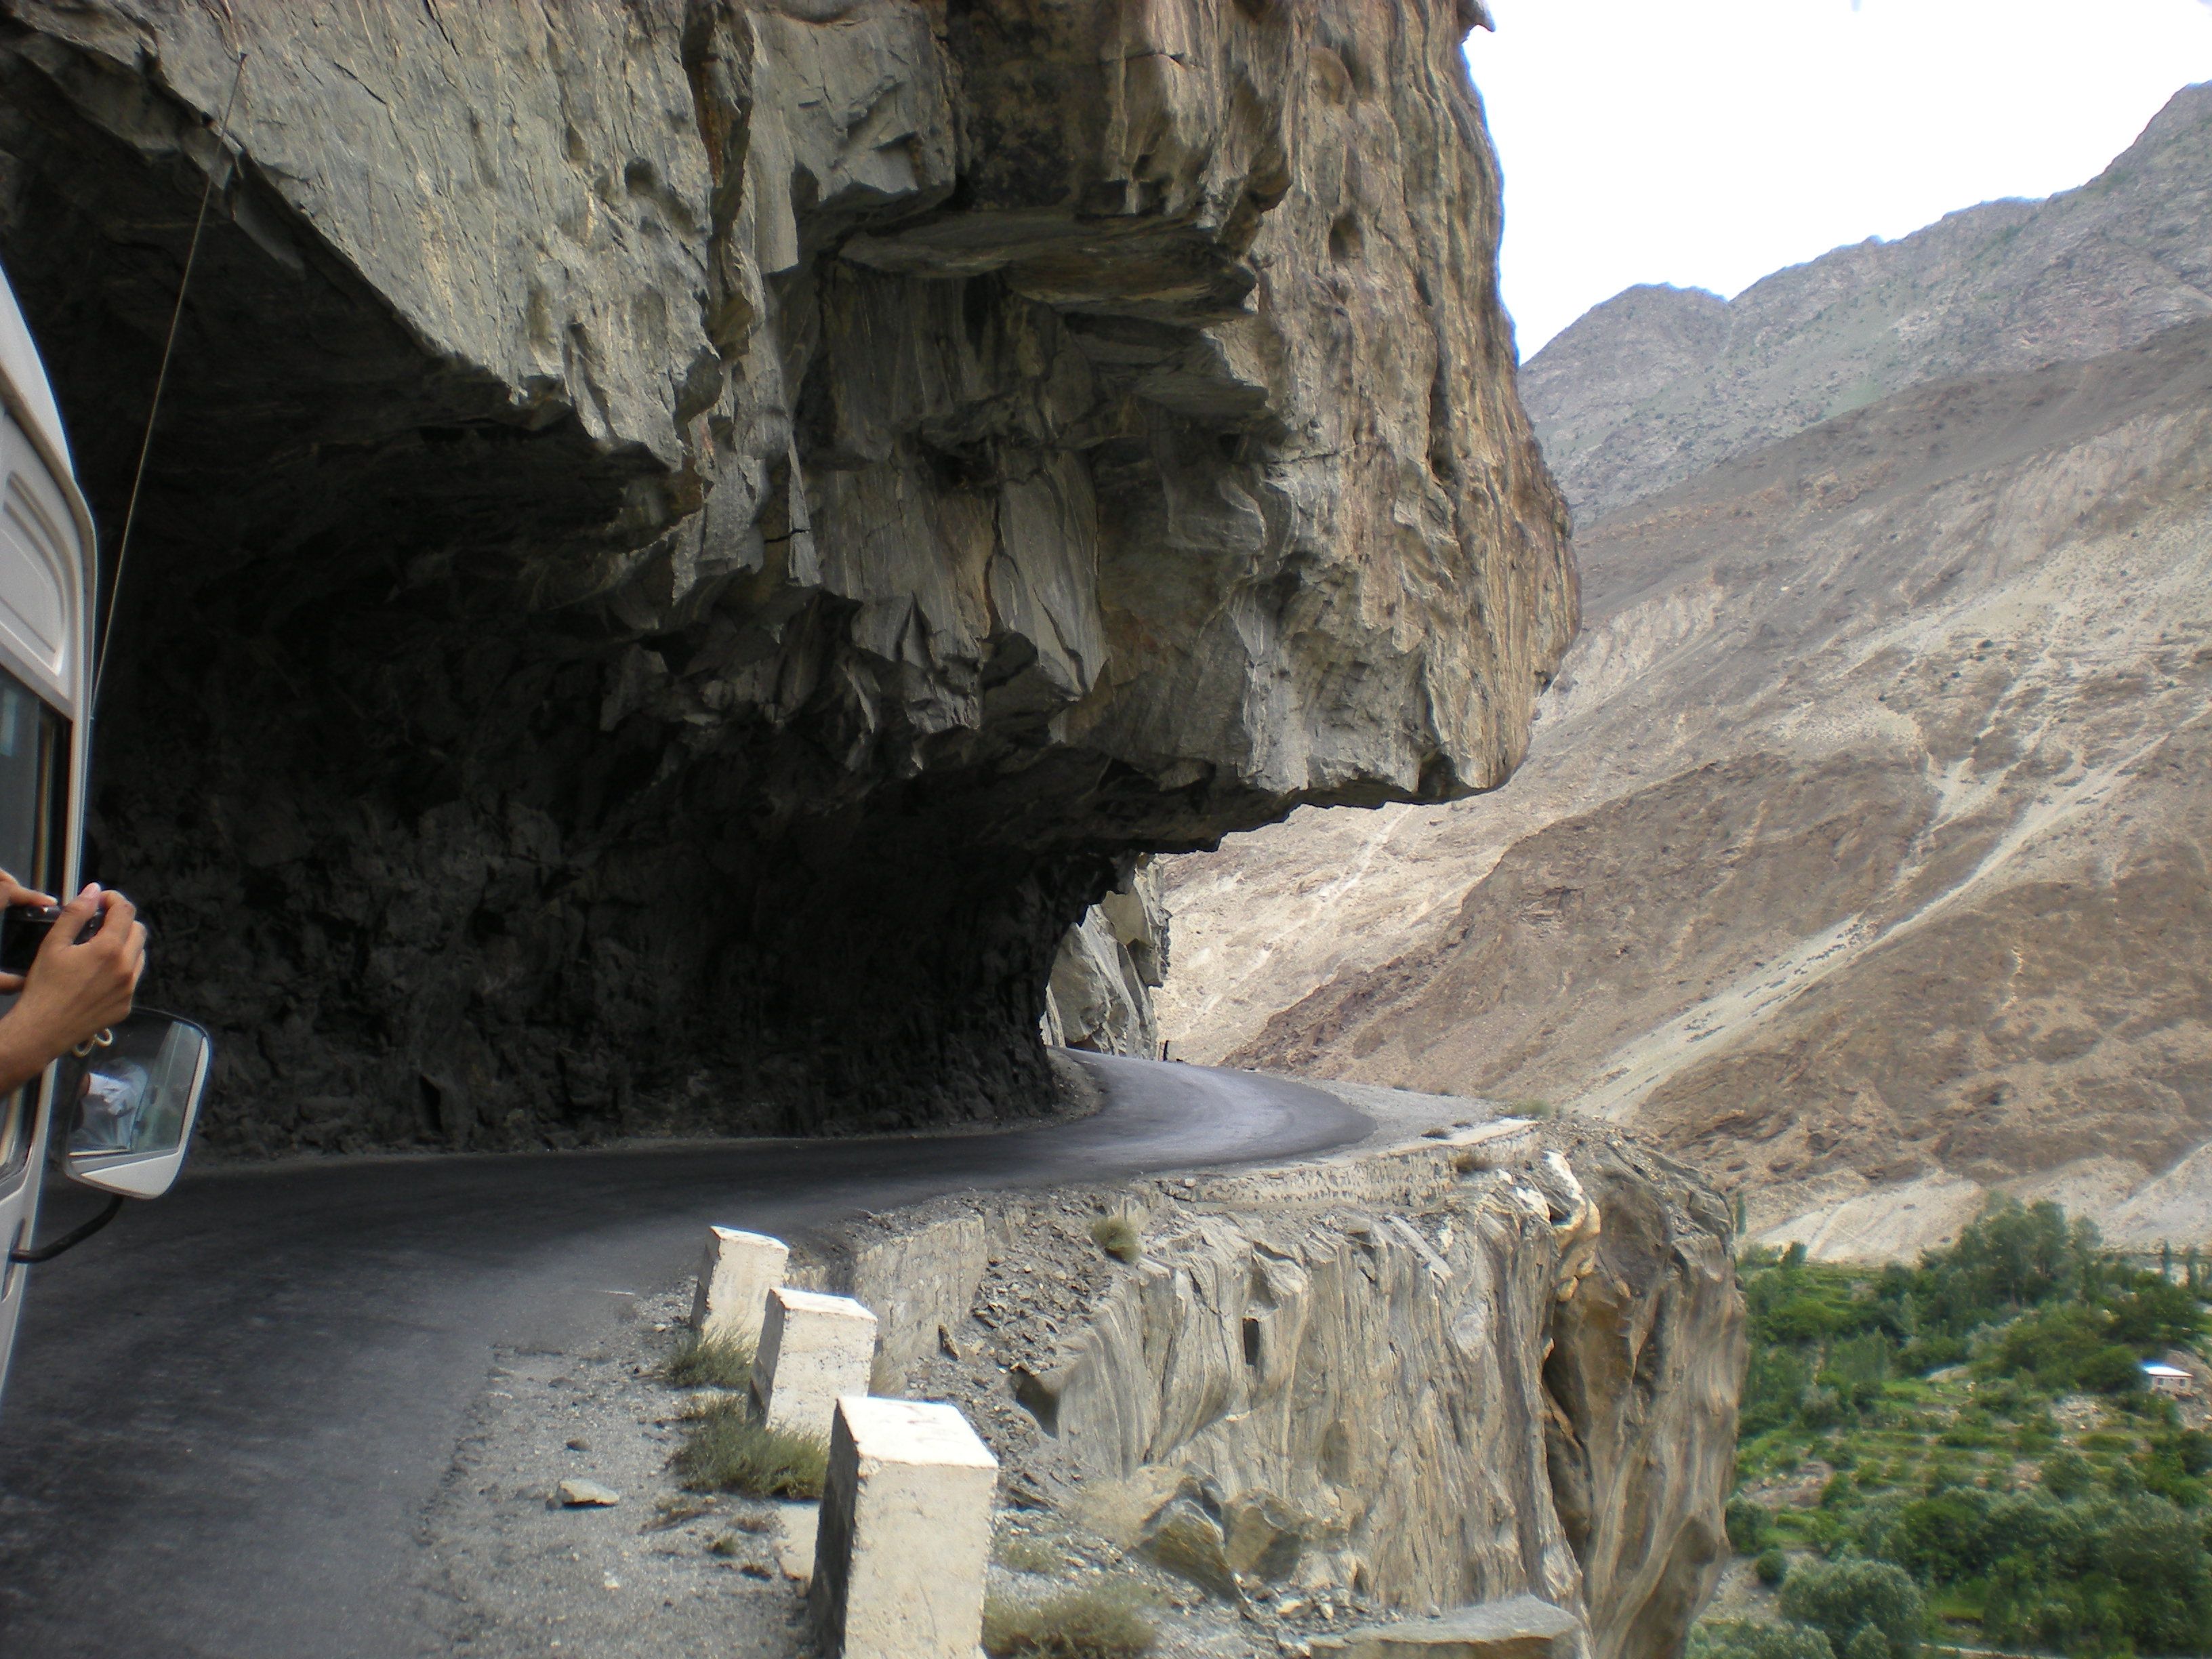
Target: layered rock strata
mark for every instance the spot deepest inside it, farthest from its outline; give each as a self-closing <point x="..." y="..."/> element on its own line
<point x="1100" y="994"/>
<point x="1501" y="1358"/>
<point x="688" y="542"/>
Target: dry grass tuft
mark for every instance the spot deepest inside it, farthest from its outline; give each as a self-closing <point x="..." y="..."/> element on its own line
<point x="1118" y="1237"/>
<point x="1023" y="1552"/>
<point x="702" y="1362"/>
<point x="726" y="1448"/>
<point x="1098" y="1622"/>
<point x="675" y="1511"/>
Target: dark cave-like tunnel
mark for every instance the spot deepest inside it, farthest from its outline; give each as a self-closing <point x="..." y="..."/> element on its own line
<point x="402" y="846"/>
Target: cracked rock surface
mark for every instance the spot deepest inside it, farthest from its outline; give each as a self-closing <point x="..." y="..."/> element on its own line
<point x="689" y="541"/>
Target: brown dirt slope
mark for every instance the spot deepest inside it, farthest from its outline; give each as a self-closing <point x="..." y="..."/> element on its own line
<point x="1861" y="852"/>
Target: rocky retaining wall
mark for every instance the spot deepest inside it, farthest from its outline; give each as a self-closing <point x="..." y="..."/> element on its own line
<point x="1504" y="1359"/>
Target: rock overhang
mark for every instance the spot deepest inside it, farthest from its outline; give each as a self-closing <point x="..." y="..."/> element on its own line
<point x="867" y="469"/>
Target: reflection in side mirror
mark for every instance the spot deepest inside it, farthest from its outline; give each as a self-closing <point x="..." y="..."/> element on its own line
<point x="129" y="1106"/>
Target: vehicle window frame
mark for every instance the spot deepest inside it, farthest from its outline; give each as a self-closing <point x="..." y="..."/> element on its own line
<point x="19" y="1109"/>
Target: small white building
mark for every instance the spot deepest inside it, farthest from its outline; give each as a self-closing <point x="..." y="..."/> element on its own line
<point x="2169" y="1380"/>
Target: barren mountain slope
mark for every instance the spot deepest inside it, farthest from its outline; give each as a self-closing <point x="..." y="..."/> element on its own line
<point x="1861" y="851"/>
<point x="1660" y="383"/>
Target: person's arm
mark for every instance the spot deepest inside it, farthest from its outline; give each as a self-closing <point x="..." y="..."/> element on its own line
<point x="73" y="991"/>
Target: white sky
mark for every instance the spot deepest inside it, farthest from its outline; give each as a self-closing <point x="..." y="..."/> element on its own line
<point x="1706" y="143"/>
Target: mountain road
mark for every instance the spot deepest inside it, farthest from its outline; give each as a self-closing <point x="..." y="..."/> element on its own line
<point x="228" y="1412"/>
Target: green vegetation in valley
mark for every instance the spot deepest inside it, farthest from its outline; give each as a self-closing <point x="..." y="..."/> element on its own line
<point x="1965" y="1449"/>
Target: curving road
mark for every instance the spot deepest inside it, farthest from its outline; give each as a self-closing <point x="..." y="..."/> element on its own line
<point x="228" y="1412"/>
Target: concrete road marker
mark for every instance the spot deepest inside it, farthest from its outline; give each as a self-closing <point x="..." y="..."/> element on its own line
<point x="813" y="1348"/>
<point x="739" y="1270"/>
<point x="905" y="1533"/>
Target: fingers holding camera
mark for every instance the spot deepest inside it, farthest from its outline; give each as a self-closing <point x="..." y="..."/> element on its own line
<point x="14" y="893"/>
<point x="75" y="990"/>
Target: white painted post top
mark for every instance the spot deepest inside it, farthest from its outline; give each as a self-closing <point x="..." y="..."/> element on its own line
<point x="735" y="1276"/>
<point x="758" y="1241"/>
<point x="917" y="1431"/>
<point x="816" y="1302"/>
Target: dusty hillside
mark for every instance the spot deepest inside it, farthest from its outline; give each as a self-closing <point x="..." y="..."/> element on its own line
<point x="1897" y="868"/>
<point x="1660" y="383"/>
<point x="1861" y="849"/>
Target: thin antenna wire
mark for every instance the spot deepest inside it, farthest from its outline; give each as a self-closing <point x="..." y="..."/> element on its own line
<point x="160" y="381"/>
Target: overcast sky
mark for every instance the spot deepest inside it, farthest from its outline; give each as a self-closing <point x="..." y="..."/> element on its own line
<point x="1707" y="142"/>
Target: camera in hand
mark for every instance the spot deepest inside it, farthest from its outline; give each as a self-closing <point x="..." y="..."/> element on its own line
<point x="23" y="929"/>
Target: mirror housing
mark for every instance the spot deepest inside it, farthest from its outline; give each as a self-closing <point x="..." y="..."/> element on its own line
<point x="125" y="1112"/>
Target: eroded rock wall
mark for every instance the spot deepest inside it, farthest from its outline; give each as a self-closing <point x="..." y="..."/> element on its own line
<point x="689" y="541"/>
<point x="1502" y="1360"/>
<point x="1100" y="994"/>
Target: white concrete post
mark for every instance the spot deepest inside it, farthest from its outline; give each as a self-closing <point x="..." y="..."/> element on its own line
<point x="905" y="1532"/>
<point x="812" y="1349"/>
<point x="739" y="1270"/>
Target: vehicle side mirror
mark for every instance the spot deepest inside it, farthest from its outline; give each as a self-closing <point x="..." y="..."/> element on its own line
<point x="129" y="1107"/>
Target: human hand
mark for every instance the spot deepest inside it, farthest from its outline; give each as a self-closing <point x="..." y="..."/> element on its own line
<point x="13" y="892"/>
<point x="74" y="991"/>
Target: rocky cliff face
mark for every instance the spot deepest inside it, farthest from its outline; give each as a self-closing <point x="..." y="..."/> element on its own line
<point x="1860" y="851"/>
<point x="1100" y="994"/>
<point x="1500" y="1357"/>
<point x="689" y="541"/>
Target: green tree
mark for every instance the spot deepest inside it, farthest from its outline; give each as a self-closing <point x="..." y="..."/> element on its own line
<point x="1748" y="1524"/>
<point x="1940" y="1539"/>
<point x="2067" y="1475"/>
<point x="2065" y="1346"/>
<point x="1840" y="1598"/>
<point x="2156" y="1315"/>
<point x="1725" y="1640"/>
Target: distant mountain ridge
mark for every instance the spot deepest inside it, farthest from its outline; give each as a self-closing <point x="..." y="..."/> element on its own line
<point x="1658" y="384"/>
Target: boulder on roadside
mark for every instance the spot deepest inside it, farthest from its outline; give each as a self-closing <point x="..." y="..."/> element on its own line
<point x="587" y="1495"/>
<point x="1518" y="1627"/>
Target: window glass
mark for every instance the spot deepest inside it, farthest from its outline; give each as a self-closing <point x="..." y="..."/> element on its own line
<point x="34" y="747"/>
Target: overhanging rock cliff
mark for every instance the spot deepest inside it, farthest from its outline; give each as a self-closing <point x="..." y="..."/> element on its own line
<point x="689" y="542"/>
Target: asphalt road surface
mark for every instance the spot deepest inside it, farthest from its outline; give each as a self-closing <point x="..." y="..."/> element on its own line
<point x="228" y="1412"/>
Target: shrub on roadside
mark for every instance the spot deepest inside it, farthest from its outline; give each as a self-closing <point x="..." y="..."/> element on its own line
<point x="1021" y="1552"/>
<point x="1095" y="1622"/>
<point x="726" y="1448"/>
<point x="1117" y="1236"/>
<point x="703" y="1362"/>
